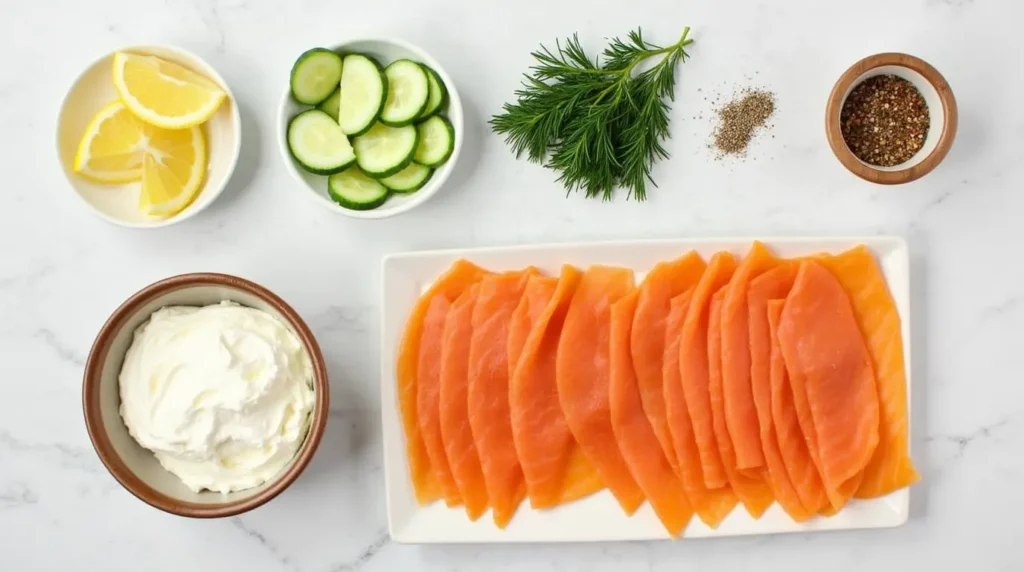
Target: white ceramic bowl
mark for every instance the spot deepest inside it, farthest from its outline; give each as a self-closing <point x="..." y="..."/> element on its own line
<point x="385" y="51"/>
<point x="93" y="90"/>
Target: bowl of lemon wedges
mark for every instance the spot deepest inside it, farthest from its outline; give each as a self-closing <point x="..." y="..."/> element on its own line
<point x="148" y="136"/>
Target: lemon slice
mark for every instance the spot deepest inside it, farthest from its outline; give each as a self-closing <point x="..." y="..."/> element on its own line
<point x="163" y="93"/>
<point x="173" y="170"/>
<point x="111" y="149"/>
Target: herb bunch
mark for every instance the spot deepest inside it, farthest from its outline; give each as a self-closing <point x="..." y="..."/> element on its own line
<point x="597" y="123"/>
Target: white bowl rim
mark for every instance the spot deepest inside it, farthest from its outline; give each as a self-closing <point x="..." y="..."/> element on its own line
<point x="416" y="199"/>
<point x="213" y="192"/>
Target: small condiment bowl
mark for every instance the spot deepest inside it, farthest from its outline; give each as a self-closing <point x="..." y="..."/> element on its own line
<point x="942" y="114"/>
<point x="137" y="469"/>
<point x="385" y="51"/>
<point x="118" y="204"/>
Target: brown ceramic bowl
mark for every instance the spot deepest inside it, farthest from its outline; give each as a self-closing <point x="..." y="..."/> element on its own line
<point x="136" y="468"/>
<point x="941" y="110"/>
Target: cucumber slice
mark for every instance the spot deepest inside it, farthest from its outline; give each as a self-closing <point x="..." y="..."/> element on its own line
<point x="364" y="89"/>
<point x="352" y="189"/>
<point x="409" y="179"/>
<point x="330" y="105"/>
<point x="383" y="151"/>
<point x="408" y="93"/>
<point x="438" y="94"/>
<point x="315" y="75"/>
<point x="437" y="141"/>
<point x="317" y="143"/>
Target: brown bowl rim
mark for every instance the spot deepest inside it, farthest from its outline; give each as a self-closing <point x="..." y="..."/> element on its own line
<point x="116" y="465"/>
<point x="835" y="104"/>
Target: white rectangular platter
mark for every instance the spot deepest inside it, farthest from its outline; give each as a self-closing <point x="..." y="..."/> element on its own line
<point x="597" y="518"/>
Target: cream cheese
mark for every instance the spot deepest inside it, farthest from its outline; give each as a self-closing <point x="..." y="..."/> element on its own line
<point x="221" y="394"/>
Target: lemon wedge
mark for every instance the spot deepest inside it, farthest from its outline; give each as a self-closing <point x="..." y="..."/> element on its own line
<point x="163" y="93"/>
<point x="111" y="149"/>
<point x="173" y="170"/>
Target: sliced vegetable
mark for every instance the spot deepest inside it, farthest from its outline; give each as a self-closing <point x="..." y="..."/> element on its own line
<point x="318" y="144"/>
<point x="383" y="151"/>
<point x="409" y="179"/>
<point x="352" y="189"/>
<point x="438" y="93"/>
<point x="408" y="93"/>
<point x="331" y="104"/>
<point x="364" y="89"/>
<point x="437" y="141"/>
<point x="315" y="76"/>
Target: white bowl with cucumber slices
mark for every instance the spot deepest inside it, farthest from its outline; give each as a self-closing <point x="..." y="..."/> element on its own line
<point x="371" y="127"/>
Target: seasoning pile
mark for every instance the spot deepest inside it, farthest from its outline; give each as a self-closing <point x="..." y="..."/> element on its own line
<point x="884" y="120"/>
<point x="739" y="120"/>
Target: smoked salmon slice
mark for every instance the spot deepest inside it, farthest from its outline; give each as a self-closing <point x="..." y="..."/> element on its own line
<point x="583" y="372"/>
<point x="451" y="285"/>
<point x="539" y="290"/>
<point x="647" y="339"/>
<point x="793" y="475"/>
<point x="789" y="463"/>
<point x="890" y="467"/>
<point x="428" y="396"/>
<point x="459" y="448"/>
<point x="693" y="371"/>
<point x="488" y="396"/>
<point x="712" y="505"/>
<point x="752" y="491"/>
<point x="829" y="366"/>
<point x="740" y="411"/>
<point x="554" y="466"/>
<point x="633" y="433"/>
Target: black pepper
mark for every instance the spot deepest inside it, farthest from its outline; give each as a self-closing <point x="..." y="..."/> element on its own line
<point x="739" y="119"/>
<point x="884" y="120"/>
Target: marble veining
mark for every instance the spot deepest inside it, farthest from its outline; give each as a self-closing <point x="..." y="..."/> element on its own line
<point x="62" y="270"/>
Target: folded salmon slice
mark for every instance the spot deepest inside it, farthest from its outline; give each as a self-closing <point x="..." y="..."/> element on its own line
<point x="740" y="411"/>
<point x="829" y="366"/>
<point x="456" y="434"/>
<point x="712" y="505"/>
<point x="891" y="467"/>
<point x="633" y="433"/>
<point x="755" y="494"/>
<point x="583" y="372"/>
<point x="428" y="396"/>
<point x="554" y="466"/>
<point x="693" y="371"/>
<point x="488" y="397"/>
<point x="539" y="290"/>
<point x="451" y="285"/>
<point x="647" y="346"/>
<point x="794" y="476"/>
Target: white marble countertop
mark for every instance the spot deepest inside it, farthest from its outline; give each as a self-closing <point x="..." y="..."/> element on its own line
<point x="62" y="270"/>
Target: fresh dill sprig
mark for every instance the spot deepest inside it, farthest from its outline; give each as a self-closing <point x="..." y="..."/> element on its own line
<point x="596" y="122"/>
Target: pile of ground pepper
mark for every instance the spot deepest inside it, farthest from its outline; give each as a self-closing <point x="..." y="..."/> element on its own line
<point x="884" y="120"/>
<point x="740" y="118"/>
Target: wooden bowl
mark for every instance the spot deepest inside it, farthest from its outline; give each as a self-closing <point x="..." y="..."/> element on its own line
<point x="137" y="469"/>
<point x="941" y="110"/>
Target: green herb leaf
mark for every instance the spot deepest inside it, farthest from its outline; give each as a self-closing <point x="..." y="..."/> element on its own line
<point x="595" y="122"/>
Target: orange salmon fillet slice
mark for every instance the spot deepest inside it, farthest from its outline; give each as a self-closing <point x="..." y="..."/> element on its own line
<point x="583" y="372"/>
<point x="428" y="397"/>
<point x="712" y="505"/>
<point x="636" y="439"/>
<point x="451" y="285"/>
<point x="456" y="434"/>
<point x="490" y="417"/>
<point x="554" y="466"/>
<point x="891" y="467"/>
<point x="693" y="370"/>
<point x="830" y="371"/>
<point x="647" y="346"/>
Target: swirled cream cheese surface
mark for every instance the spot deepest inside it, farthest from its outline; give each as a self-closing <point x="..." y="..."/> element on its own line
<point x="220" y="394"/>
